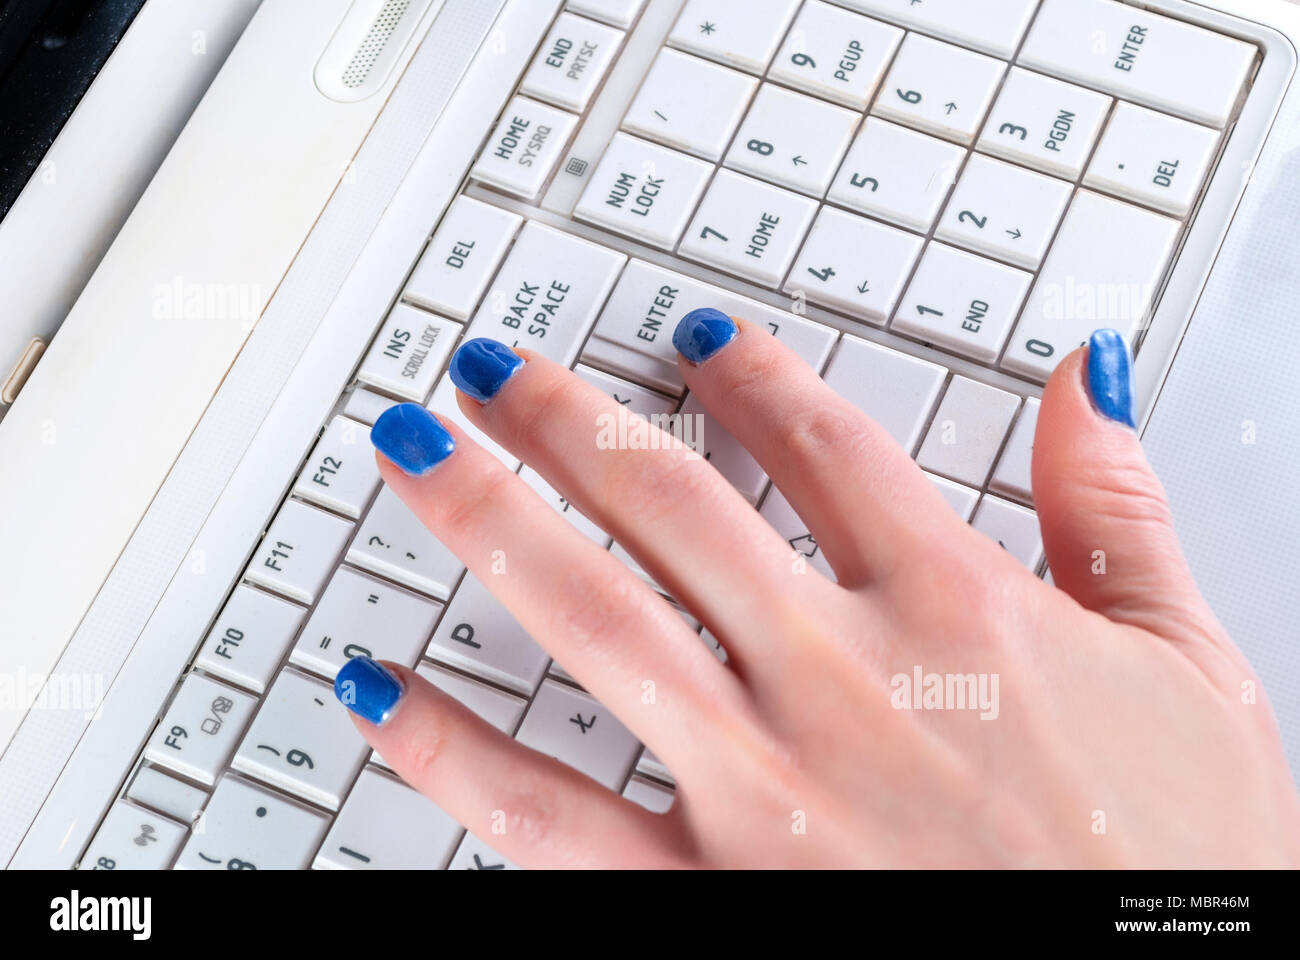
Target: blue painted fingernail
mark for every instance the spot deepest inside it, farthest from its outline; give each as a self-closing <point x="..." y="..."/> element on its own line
<point x="1110" y="376"/>
<point x="368" y="689"/>
<point x="412" y="438"/>
<point x="481" y="367"/>
<point x="702" y="333"/>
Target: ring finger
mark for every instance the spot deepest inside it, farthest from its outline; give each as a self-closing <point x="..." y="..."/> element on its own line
<point x="677" y="516"/>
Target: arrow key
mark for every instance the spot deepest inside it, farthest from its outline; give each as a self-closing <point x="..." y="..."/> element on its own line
<point x="804" y="549"/>
<point x="854" y="265"/>
<point x="1013" y="527"/>
<point x="939" y="88"/>
<point x="1004" y="211"/>
<point x="792" y="140"/>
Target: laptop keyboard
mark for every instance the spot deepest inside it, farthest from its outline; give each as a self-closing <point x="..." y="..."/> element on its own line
<point x="947" y="179"/>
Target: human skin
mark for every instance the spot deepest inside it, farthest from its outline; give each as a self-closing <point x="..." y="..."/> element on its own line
<point x="1129" y="731"/>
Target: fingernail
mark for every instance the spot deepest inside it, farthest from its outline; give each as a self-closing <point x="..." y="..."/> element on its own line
<point x="481" y="367"/>
<point x="1110" y="376"/>
<point x="702" y="333"/>
<point x="368" y="689"/>
<point x="412" y="438"/>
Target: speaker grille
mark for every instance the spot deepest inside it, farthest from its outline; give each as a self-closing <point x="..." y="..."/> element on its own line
<point x="359" y="67"/>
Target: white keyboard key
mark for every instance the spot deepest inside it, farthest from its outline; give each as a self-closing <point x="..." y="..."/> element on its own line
<point x="1004" y="211"/>
<point x="689" y="620"/>
<point x="548" y="293"/>
<point x="651" y="766"/>
<point x="1044" y="123"/>
<point x="567" y="510"/>
<point x="174" y="798"/>
<point x="1012" y="478"/>
<point x="409" y="352"/>
<point x="501" y="709"/>
<point x="743" y="35"/>
<point x="478" y="635"/>
<point x="1103" y="271"/>
<point x="962" y="303"/>
<point x="792" y="140"/>
<point x="690" y="104"/>
<point x="810" y="340"/>
<point x="497" y="707"/>
<point x="634" y="335"/>
<point x="131" y="838"/>
<point x="571" y="62"/>
<point x="299" y="551"/>
<point x="994" y="26"/>
<point x="341" y="472"/>
<point x="836" y="55"/>
<point x="303" y="741"/>
<point x="456" y="266"/>
<point x="897" y="174"/>
<point x="1140" y="55"/>
<point x="393" y="543"/>
<point x="961" y="498"/>
<point x="655" y="797"/>
<point x="523" y="150"/>
<point x="250" y="637"/>
<point x="714" y="647"/>
<point x="247" y="828"/>
<point x="643" y="191"/>
<point x="1013" y="527"/>
<point x="366" y="406"/>
<point x="748" y="228"/>
<point x="573" y="727"/>
<point x="361" y="617"/>
<point x="618" y="13"/>
<point x="939" y="88"/>
<point x="658" y="410"/>
<point x="474" y="854"/>
<point x="200" y="729"/>
<point x="724" y="452"/>
<point x="783" y="519"/>
<point x="645" y="403"/>
<point x="1152" y="158"/>
<point x="967" y="431"/>
<point x="895" y="390"/>
<point x="854" y="265"/>
<point x="385" y="825"/>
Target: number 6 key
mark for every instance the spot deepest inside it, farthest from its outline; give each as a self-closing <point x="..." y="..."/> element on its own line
<point x="939" y="88"/>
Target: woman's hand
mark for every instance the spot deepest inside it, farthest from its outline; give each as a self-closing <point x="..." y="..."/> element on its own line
<point x="1119" y="724"/>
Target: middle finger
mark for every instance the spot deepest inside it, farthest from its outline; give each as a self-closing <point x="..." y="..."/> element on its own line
<point x="677" y="516"/>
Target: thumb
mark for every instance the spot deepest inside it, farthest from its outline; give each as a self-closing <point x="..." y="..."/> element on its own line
<point x="1107" y="528"/>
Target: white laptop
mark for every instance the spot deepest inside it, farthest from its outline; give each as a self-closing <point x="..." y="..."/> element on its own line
<point x="931" y="202"/>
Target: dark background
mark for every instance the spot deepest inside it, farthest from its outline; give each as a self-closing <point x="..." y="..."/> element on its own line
<point x="50" y="51"/>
